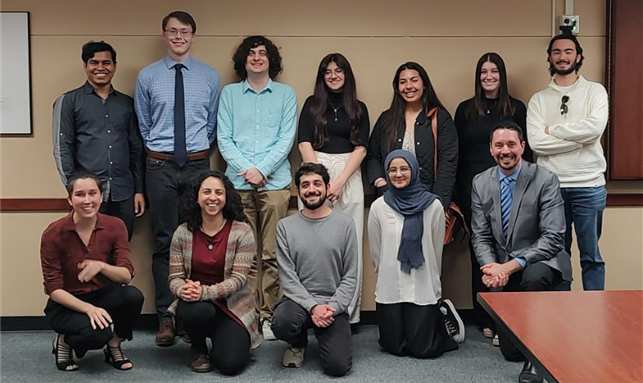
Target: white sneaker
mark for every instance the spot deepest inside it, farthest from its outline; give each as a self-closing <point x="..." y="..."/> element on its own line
<point x="495" y="341"/>
<point x="266" y="330"/>
<point x="452" y="321"/>
<point x="293" y="356"/>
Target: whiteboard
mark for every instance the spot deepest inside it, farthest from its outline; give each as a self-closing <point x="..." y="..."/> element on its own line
<point x="15" y="88"/>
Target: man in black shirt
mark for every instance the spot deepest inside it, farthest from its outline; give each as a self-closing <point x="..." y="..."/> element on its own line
<point x="95" y="130"/>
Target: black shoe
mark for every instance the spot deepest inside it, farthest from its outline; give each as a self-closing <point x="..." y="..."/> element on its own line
<point x="529" y="374"/>
<point x="115" y="357"/>
<point x="354" y="328"/>
<point x="64" y="359"/>
<point x="452" y="321"/>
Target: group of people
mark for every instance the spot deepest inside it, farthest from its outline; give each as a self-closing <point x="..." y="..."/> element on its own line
<point x="229" y="265"/>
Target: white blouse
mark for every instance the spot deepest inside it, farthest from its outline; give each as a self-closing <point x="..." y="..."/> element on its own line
<point x="422" y="286"/>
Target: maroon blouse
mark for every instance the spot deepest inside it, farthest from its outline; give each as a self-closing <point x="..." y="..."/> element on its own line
<point x="61" y="250"/>
<point x="208" y="262"/>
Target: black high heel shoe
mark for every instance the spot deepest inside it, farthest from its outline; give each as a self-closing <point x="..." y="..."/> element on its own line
<point x="115" y="357"/>
<point x="63" y="357"/>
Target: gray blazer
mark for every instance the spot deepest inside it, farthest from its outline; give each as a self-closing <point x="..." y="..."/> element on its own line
<point x="536" y="225"/>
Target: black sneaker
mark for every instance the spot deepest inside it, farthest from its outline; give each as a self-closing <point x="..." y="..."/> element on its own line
<point x="452" y="321"/>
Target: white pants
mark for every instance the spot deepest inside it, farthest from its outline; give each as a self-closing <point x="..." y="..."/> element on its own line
<point x="351" y="203"/>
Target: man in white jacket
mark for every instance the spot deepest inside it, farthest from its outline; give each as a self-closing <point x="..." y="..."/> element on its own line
<point x="565" y="123"/>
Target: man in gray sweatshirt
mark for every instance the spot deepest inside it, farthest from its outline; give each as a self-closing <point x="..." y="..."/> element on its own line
<point x="317" y="258"/>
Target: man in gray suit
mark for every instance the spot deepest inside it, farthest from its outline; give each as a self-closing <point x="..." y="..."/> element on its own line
<point x="518" y="227"/>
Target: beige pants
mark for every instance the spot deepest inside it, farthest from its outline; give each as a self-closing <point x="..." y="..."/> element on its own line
<point x="351" y="203"/>
<point x="264" y="209"/>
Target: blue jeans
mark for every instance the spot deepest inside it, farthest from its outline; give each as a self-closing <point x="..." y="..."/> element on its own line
<point x="584" y="208"/>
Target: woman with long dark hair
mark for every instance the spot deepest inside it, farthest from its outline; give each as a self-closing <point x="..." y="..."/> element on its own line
<point x="210" y="256"/>
<point x="475" y="119"/>
<point x="405" y="125"/>
<point x="405" y="232"/>
<point x="333" y="131"/>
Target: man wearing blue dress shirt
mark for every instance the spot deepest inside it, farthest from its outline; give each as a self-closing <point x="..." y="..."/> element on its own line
<point x="176" y="102"/>
<point x="256" y="130"/>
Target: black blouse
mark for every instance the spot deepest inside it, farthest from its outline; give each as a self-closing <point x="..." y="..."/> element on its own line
<point x="338" y="131"/>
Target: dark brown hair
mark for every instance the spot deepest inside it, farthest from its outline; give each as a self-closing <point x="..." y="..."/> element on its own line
<point x="477" y="109"/>
<point x="393" y="118"/>
<point x="321" y="108"/>
<point x="240" y="56"/>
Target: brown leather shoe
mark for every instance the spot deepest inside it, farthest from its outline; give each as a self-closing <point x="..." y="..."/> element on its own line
<point x="165" y="335"/>
<point x="201" y="364"/>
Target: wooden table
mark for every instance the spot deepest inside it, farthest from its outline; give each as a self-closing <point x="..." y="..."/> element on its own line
<point x="579" y="336"/>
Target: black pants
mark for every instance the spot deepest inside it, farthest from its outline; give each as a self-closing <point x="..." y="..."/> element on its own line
<point x="165" y="183"/>
<point x="122" y="303"/>
<point x="123" y="210"/>
<point x="410" y="329"/>
<point x="230" y="341"/>
<point x="291" y="322"/>
<point x="535" y="277"/>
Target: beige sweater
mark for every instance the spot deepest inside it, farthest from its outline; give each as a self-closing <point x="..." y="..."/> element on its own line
<point x="572" y="150"/>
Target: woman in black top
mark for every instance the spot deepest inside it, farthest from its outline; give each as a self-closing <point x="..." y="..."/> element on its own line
<point x="333" y="131"/>
<point x="475" y="118"/>
<point x="405" y="126"/>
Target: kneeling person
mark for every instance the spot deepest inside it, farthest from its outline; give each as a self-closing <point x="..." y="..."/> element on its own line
<point x="406" y="235"/>
<point x="317" y="258"/>
<point x="518" y="227"/>
<point x="86" y="267"/>
<point x="210" y="256"/>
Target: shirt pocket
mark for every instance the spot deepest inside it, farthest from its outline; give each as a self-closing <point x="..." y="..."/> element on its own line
<point x="120" y="120"/>
<point x="271" y="119"/>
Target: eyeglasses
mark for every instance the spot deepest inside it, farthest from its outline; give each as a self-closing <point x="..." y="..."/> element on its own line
<point x="402" y="170"/>
<point x="563" y="105"/>
<point x="175" y="32"/>
<point x="330" y="72"/>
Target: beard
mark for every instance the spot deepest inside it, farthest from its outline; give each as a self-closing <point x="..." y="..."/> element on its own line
<point x="512" y="165"/>
<point x="314" y="205"/>
<point x="563" y="72"/>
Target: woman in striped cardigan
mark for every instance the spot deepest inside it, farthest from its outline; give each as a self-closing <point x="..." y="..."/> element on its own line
<point x="210" y="256"/>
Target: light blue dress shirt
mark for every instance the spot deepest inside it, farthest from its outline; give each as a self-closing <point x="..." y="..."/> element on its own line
<point x="257" y="130"/>
<point x="512" y="187"/>
<point x="154" y="103"/>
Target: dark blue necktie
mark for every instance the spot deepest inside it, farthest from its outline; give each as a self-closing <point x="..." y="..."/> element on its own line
<point x="180" y="152"/>
<point x="506" y="198"/>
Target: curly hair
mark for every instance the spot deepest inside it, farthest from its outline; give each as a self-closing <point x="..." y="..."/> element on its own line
<point x="240" y="57"/>
<point x="311" y="168"/>
<point x="191" y="210"/>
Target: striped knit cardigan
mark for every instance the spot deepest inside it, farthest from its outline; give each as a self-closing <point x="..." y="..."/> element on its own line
<point x="239" y="256"/>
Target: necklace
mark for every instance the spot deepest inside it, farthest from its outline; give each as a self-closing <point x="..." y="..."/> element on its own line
<point x="491" y="107"/>
<point x="335" y="109"/>
<point x="207" y="237"/>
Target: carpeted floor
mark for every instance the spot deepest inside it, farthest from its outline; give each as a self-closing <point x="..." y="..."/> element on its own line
<point x="26" y="357"/>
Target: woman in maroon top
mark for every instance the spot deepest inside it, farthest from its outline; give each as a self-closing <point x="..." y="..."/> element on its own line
<point x="210" y="256"/>
<point x="86" y="268"/>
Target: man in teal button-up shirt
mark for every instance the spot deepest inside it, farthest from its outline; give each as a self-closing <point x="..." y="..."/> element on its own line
<point x="256" y="130"/>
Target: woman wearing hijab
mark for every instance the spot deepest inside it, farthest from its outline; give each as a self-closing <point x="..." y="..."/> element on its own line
<point x="406" y="230"/>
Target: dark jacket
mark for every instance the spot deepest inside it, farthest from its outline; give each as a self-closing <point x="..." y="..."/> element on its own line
<point x="424" y="150"/>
